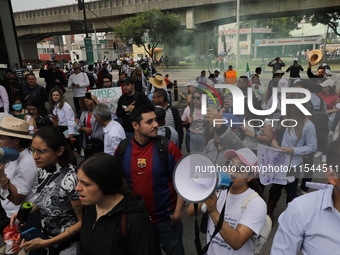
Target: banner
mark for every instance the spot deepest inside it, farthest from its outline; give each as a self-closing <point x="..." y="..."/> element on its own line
<point x="108" y="96"/>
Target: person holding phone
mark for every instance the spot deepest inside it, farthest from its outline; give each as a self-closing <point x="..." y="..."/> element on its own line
<point x="56" y="200"/>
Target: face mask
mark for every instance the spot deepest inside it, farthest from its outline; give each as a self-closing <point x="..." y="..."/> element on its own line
<point x="17" y="107"/>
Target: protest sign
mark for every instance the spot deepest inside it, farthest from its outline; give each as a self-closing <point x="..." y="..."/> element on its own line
<point x="108" y="96"/>
<point x="273" y="165"/>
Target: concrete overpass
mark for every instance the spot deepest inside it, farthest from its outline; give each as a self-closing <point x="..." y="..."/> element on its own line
<point x="194" y="14"/>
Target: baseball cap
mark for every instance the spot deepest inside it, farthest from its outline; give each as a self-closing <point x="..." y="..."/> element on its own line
<point x="193" y="83"/>
<point x="129" y="80"/>
<point x="217" y="70"/>
<point x="245" y="154"/>
<point x="279" y="71"/>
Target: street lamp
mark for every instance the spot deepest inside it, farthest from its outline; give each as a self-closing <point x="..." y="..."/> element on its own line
<point x="81" y="6"/>
<point x="87" y="39"/>
<point x="237" y="34"/>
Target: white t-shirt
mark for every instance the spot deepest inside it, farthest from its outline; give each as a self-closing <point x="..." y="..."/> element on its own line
<point x="23" y="174"/>
<point x="83" y="81"/>
<point x="253" y="217"/>
<point x="197" y="124"/>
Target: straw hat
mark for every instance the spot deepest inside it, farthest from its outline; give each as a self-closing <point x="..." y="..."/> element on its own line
<point x="315" y="56"/>
<point x="76" y="65"/>
<point x="14" y="127"/>
<point x="158" y="81"/>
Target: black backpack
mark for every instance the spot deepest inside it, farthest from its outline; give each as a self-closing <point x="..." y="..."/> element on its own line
<point x="162" y="149"/>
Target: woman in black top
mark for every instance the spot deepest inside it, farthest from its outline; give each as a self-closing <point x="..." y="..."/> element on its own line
<point x="114" y="221"/>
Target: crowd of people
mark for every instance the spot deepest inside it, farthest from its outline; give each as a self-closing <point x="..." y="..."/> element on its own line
<point x="122" y="199"/>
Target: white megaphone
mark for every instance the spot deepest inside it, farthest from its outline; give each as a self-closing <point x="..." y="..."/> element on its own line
<point x="195" y="178"/>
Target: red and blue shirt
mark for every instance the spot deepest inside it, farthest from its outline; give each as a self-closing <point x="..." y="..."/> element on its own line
<point x="148" y="177"/>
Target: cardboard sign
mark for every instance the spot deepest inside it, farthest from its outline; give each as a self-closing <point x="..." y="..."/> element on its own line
<point x="108" y="96"/>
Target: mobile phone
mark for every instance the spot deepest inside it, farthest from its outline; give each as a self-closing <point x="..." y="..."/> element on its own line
<point x="88" y="95"/>
<point x="32" y="233"/>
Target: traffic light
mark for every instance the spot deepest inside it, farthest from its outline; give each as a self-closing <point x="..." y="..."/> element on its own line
<point x="80" y="4"/>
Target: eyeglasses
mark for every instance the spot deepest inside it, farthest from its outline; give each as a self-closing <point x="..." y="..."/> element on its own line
<point x="38" y="151"/>
<point x="235" y="168"/>
<point x="196" y="98"/>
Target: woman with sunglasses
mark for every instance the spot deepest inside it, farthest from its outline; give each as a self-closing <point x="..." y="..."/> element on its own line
<point x="114" y="220"/>
<point x="240" y="222"/>
<point x="57" y="201"/>
<point x="193" y="120"/>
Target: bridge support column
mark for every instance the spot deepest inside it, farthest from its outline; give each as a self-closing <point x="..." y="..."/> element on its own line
<point x="204" y="40"/>
<point x="9" y="47"/>
<point x="29" y="51"/>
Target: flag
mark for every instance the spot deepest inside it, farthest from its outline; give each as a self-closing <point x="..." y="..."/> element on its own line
<point x="248" y="75"/>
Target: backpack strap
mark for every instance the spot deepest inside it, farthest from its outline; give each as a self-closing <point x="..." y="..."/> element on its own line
<point x="168" y="133"/>
<point x="122" y="148"/>
<point x="247" y="200"/>
<point x="162" y="149"/>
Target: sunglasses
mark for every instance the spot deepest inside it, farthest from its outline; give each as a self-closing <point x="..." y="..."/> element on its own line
<point x="196" y="98"/>
<point x="236" y="168"/>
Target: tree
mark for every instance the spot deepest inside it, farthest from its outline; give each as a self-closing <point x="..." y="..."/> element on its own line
<point x="280" y="26"/>
<point x="329" y="19"/>
<point x="151" y="27"/>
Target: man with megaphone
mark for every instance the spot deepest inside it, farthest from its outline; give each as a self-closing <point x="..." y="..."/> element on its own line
<point x="240" y="222"/>
<point x="19" y="177"/>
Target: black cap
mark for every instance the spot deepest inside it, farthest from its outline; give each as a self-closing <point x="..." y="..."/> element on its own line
<point x="129" y="80"/>
<point x="160" y="113"/>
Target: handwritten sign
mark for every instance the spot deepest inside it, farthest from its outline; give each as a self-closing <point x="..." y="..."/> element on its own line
<point x="108" y="96"/>
<point x="273" y="165"/>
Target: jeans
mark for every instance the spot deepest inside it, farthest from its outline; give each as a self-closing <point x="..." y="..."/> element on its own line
<point x="194" y="142"/>
<point x="169" y="237"/>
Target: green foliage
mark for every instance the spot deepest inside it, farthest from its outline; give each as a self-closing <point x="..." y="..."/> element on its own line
<point x="280" y="26"/>
<point x="330" y="19"/>
<point x="152" y="27"/>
